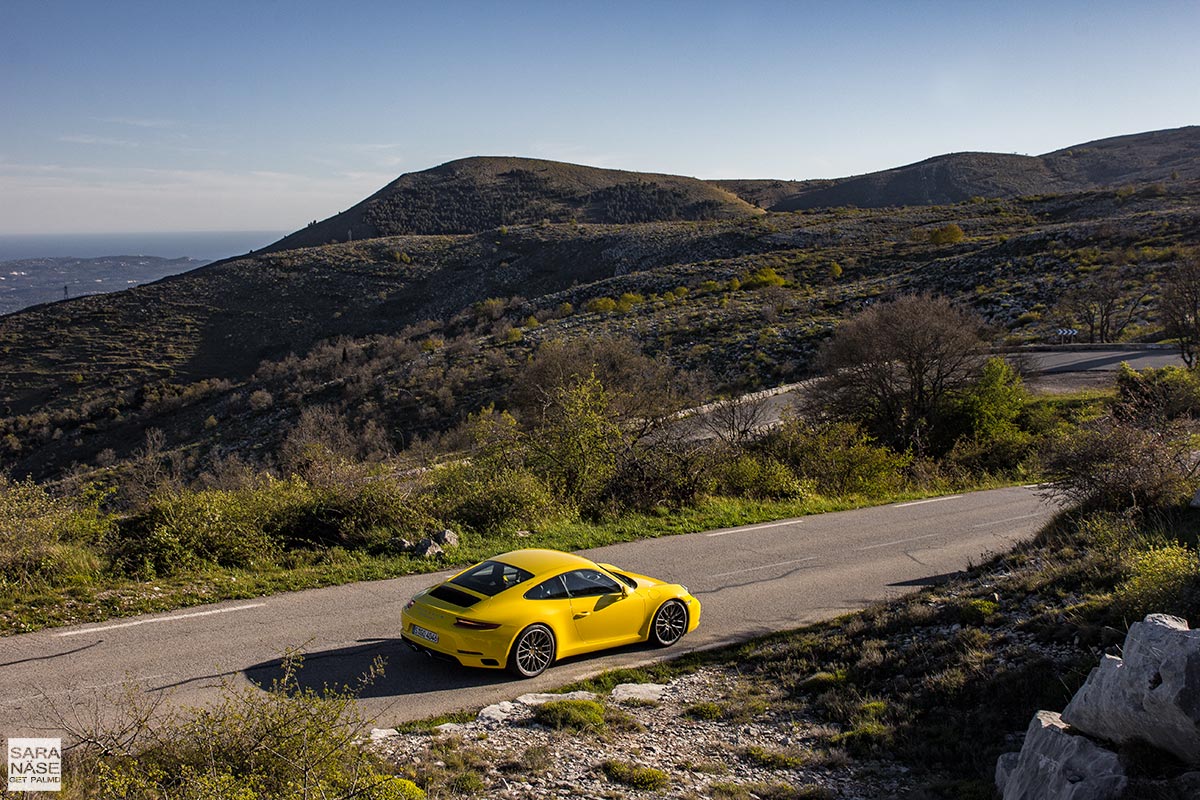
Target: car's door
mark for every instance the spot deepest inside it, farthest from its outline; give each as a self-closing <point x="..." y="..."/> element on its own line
<point x="604" y="615"/>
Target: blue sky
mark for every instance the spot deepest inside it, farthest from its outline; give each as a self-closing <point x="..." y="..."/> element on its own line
<point x="163" y="115"/>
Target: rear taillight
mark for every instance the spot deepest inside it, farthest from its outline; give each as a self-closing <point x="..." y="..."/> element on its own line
<point x="475" y="625"/>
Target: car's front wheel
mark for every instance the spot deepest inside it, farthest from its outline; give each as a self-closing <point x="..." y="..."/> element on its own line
<point x="532" y="652"/>
<point x="670" y="623"/>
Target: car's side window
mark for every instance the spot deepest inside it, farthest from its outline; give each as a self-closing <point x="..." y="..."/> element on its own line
<point x="552" y="589"/>
<point x="590" y="583"/>
<point x="625" y="579"/>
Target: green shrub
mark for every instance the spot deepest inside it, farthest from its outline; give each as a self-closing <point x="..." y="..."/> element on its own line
<point x="1000" y="453"/>
<point x="992" y="404"/>
<point x="628" y="300"/>
<point x="822" y="681"/>
<point x="46" y="540"/>
<point x="975" y="610"/>
<point x="760" y="477"/>
<point x="288" y="743"/>
<point x="1163" y="580"/>
<point x="947" y="234"/>
<point x="572" y="715"/>
<point x="491" y="499"/>
<point x="774" y="759"/>
<point x="761" y="278"/>
<point x="600" y="305"/>
<point x="840" y="458"/>
<point x="1171" y="392"/>
<point x="575" y="447"/>
<point x="646" y="779"/>
<point x="705" y="710"/>
<point x="251" y="526"/>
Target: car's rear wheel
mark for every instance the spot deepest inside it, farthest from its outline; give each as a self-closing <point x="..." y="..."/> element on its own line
<point x="532" y="652"/>
<point x="670" y="623"/>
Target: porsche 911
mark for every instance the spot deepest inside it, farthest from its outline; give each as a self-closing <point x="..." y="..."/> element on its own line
<point x="526" y="609"/>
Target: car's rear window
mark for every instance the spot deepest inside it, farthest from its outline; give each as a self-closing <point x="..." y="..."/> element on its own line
<point x="452" y="595"/>
<point x="492" y="577"/>
<point x="552" y="589"/>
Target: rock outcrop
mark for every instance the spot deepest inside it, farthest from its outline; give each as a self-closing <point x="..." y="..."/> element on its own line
<point x="1056" y="763"/>
<point x="1150" y="696"/>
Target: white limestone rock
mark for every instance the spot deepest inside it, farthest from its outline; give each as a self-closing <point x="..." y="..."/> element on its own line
<point x="501" y="712"/>
<point x="538" y="698"/>
<point x="1056" y="764"/>
<point x="1151" y="694"/>
<point x="637" y="692"/>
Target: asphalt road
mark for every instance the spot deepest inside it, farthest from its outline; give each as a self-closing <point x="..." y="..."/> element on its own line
<point x="750" y="580"/>
<point x="1057" y="363"/>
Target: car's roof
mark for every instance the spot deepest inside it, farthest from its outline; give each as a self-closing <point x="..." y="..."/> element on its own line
<point x="540" y="562"/>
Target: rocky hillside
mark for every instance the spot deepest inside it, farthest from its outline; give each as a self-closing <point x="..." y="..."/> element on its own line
<point x="415" y="332"/>
<point x="478" y="194"/>
<point x="412" y="332"/>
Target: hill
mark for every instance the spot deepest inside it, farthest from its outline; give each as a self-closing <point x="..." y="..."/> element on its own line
<point x="483" y="193"/>
<point x="410" y="333"/>
<point x="1157" y="156"/>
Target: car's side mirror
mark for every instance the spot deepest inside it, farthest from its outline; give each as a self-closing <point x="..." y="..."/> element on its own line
<point x="624" y="590"/>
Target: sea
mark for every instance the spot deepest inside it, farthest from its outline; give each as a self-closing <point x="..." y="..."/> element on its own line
<point x="37" y="269"/>
<point x="199" y="245"/>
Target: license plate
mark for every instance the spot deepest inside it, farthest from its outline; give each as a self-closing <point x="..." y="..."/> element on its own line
<point x="417" y="630"/>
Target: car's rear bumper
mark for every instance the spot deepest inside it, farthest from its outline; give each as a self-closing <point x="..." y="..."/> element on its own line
<point x="470" y="648"/>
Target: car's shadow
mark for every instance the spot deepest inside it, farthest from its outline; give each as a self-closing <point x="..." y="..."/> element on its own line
<point x="404" y="671"/>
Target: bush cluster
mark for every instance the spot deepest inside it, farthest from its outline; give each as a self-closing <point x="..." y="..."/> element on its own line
<point x="46" y="540"/>
<point x="288" y="743"/>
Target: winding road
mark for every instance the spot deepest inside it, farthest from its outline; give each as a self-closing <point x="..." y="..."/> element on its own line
<point x="750" y="580"/>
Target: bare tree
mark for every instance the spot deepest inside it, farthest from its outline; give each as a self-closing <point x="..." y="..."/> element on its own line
<point x="735" y="420"/>
<point x="1105" y="303"/>
<point x="152" y="468"/>
<point x="1180" y="307"/>
<point x="894" y="366"/>
<point x="644" y="391"/>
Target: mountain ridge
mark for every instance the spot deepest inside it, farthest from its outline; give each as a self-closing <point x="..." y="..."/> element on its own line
<point x="1137" y="158"/>
<point x="480" y="193"/>
<point x="471" y="195"/>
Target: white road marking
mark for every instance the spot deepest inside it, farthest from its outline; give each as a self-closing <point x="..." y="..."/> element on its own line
<point x="764" y="566"/>
<point x="898" y="541"/>
<point x="930" y="500"/>
<point x="1002" y="521"/>
<point x="754" y="527"/>
<point x="161" y="619"/>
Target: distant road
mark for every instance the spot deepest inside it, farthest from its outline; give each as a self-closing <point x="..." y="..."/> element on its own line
<point x="1051" y="371"/>
<point x="751" y="580"/>
<point x="1057" y="363"/>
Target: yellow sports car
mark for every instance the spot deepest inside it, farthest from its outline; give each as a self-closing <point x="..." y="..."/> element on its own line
<point x="525" y="609"/>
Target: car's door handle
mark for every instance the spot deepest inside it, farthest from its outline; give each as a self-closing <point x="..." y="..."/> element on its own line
<point x="582" y="614"/>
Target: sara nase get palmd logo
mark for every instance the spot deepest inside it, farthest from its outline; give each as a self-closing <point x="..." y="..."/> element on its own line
<point x="34" y="765"/>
